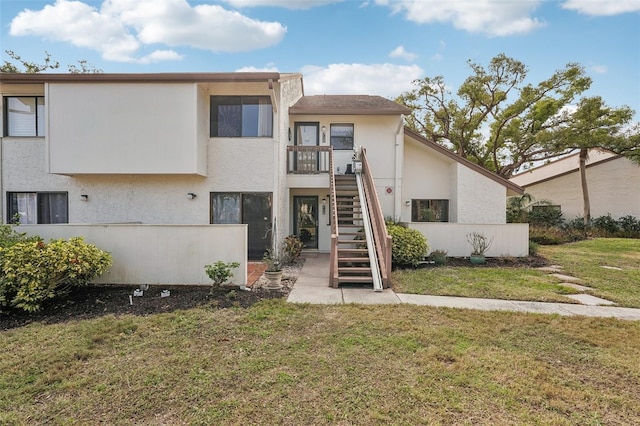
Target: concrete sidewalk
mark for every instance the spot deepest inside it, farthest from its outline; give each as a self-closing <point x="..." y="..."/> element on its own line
<point x="312" y="287"/>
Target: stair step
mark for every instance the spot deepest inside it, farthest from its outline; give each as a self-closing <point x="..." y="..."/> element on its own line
<point x="360" y="251"/>
<point x="352" y="234"/>
<point x="342" y="260"/>
<point x="354" y="269"/>
<point x="354" y="279"/>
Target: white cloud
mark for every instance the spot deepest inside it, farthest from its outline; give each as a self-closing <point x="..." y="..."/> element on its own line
<point x="387" y="80"/>
<point x="494" y="18"/>
<point x="400" y="52"/>
<point x="289" y="4"/>
<point x="600" y="69"/>
<point x="268" y="68"/>
<point x="603" y="7"/>
<point x="160" y="55"/>
<point x="122" y="28"/>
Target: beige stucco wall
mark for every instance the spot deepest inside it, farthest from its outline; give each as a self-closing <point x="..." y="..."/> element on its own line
<point x="614" y="187"/>
<point x="159" y="254"/>
<point x="509" y="240"/>
<point x="123" y="128"/>
<point x="473" y="198"/>
<point x="232" y="164"/>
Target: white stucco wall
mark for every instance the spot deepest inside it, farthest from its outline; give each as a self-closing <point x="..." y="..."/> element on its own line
<point x="232" y="164"/>
<point x="159" y="254"/>
<point x="478" y="198"/>
<point x="377" y="134"/>
<point x="473" y="197"/>
<point x="508" y="240"/>
<point x="614" y="187"/>
<point x="425" y="176"/>
<point x="123" y="128"/>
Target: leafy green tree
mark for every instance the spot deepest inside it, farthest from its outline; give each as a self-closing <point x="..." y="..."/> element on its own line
<point x="595" y="125"/>
<point x="20" y="65"/>
<point x="503" y="124"/>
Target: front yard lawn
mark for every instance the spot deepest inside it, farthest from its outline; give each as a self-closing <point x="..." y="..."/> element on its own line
<point x="584" y="260"/>
<point x="278" y="363"/>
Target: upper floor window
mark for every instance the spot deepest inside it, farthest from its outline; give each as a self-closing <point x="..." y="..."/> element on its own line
<point x="342" y="136"/>
<point x="430" y="210"/>
<point x="24" y="116"/>
<point x="241" y="116"/>
<point x="37" y="207"/>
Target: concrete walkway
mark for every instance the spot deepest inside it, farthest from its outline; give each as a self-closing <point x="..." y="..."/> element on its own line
<point x="312" y="287"/>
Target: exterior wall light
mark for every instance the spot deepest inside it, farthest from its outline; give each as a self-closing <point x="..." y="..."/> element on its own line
<point x="407" y="203"/>
<point x="191" y="195"/>
<point x="324" y="134"/>
<point x="84" y="197"/>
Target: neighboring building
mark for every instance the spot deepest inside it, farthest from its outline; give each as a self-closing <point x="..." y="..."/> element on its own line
<point x="613" y="182"/>
<point x="231" y="148"/>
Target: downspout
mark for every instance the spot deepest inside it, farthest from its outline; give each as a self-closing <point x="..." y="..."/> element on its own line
<point x="275" y="202"/>
<point x="397" y="181"/>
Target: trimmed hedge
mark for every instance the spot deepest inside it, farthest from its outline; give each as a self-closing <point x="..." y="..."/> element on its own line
<point x="409" y="246"/>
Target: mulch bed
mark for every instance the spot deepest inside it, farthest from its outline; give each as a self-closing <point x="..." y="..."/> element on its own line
<point x="99" y="300"/>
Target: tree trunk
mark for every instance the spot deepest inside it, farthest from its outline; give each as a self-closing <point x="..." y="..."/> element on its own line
<point x="584" y="154"/>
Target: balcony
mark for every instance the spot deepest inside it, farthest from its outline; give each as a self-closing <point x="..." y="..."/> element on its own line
<point x="308" y="160"/>
<point x="308" y="166"/>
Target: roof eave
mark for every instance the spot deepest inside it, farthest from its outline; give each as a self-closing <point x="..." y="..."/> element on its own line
<point x="512" y="187"/>
<point x="232" y="77"/>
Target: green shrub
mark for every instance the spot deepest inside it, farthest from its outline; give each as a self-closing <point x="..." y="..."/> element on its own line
<point x="533" y="248"/>
<point x="630" y="226"/>
<point x="545" y="216"/>
<point x="33" y="271"/>
<point x="606" y="225"/>
<point x="9" y="236"/>
<point x="553" y="235"/>
<point x="292" y="248"/>
<point x="409" y="246"/>
<point x="220" y="272"/>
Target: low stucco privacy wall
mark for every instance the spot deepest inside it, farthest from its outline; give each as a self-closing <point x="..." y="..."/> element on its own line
<point x="509" y="240"/>
<point x="158" y="254"/>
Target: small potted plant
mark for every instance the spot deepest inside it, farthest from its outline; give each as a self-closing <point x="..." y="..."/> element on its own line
<point x="480" y="244"/>
<point x="439" y="256"/>
<point x="273" y="273"/>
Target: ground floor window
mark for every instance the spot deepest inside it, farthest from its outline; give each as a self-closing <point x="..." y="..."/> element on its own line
<point x="252" y="209"/>
<point x="430" y="210"/>
<point x="37" y="207"/>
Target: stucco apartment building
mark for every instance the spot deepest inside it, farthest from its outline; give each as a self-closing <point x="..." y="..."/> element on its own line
<point x="613" y="182"/>
<point x="202" y="153"/>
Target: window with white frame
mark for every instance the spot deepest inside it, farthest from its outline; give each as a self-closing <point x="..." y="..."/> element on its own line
<point x="342" y="136"/>
<point x="24" y="116"/>
<point x="430" y="210"/>
<point x="37" y="207"/>
<point x="241" y="116"/>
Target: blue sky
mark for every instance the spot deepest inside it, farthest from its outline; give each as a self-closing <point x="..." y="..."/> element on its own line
<point x="350" y="46"/>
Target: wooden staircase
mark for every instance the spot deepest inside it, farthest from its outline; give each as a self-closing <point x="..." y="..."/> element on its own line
<point x="354" y="265"/>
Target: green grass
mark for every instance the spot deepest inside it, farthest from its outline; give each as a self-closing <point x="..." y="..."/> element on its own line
<point x="489" y="283"/>
<point x="276" y="363"/>
<point x="583" y="260"/>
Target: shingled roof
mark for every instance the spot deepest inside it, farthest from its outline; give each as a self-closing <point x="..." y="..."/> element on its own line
<point x="347" y="105"/>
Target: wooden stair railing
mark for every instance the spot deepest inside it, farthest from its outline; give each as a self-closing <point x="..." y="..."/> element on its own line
<point x="381" y="236"/>
<point x="333" y="266"/>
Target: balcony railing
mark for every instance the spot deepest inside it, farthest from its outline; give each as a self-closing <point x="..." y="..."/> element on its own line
<point x="308" y="160"/>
